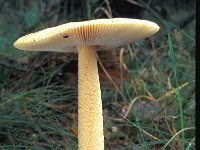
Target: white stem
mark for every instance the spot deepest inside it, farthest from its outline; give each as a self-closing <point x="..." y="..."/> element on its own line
<point x="90" y="119"/>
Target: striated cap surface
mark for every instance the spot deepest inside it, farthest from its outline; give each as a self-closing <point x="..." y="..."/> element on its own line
<point x="103" y="33"/>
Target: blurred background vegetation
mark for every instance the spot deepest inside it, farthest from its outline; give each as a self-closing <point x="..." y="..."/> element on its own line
<point x="147" y="87"/>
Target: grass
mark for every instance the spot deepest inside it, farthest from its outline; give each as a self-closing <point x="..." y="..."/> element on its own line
<point x="147" y="87"/>
<point x="177" y="91"/>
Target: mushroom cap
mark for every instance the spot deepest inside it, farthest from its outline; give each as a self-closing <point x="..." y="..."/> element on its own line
<point x="103" y="33"/>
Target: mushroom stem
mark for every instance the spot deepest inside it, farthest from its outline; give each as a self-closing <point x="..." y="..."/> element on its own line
<point x="90" y="119"/>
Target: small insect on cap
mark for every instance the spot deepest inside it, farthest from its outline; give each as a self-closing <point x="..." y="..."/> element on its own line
<point x="103" y="33"/>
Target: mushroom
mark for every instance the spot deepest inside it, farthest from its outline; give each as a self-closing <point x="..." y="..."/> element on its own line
<point x="86" y="38"/>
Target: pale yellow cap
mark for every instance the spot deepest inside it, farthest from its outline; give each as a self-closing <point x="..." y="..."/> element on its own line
<point x="103" y="33"/>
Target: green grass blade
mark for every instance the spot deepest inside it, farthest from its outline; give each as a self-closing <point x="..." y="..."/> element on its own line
<point x="172" y="57"/>
<point x="89" y="12"/>
<point x="190" y="144"/>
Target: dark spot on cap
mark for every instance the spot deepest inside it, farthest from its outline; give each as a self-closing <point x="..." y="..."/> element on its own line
<point x="65" y="36"/>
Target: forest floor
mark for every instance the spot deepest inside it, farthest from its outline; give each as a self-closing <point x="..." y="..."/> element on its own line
<point x="148" y="87"/>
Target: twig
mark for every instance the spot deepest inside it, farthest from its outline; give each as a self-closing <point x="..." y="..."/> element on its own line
<point x="107" y="74"/>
